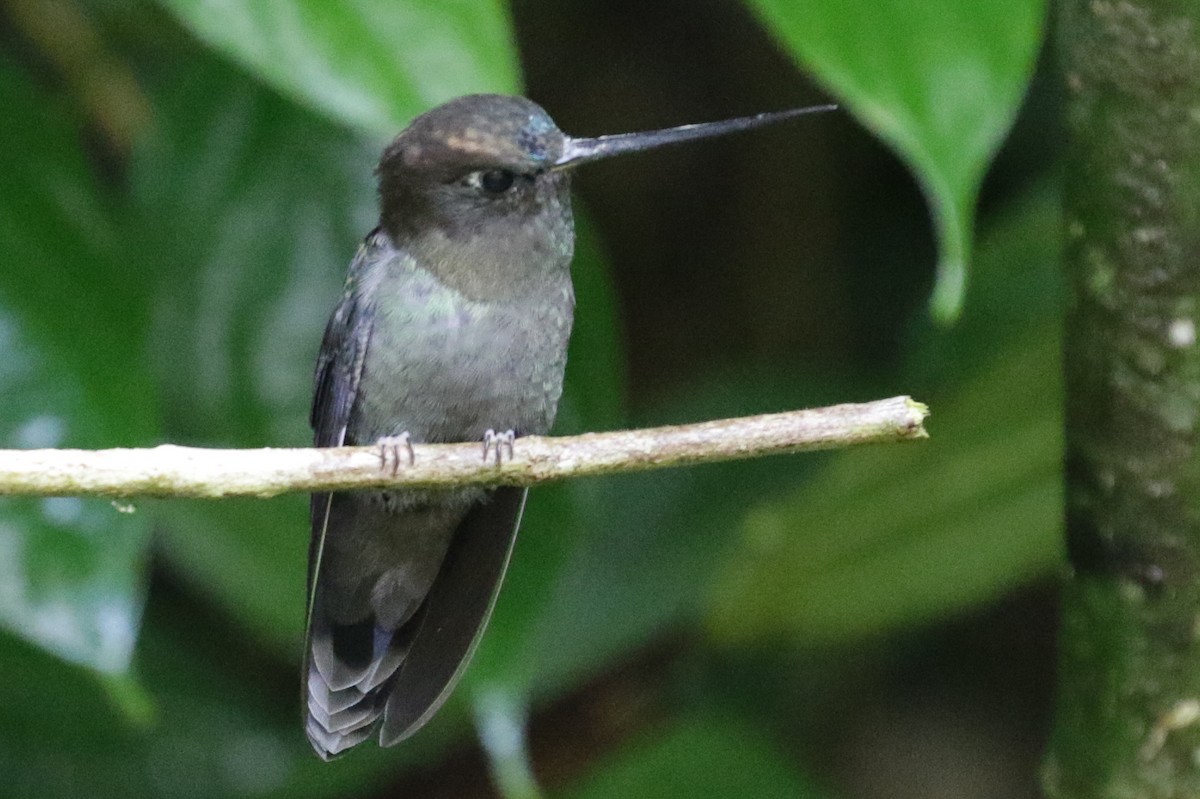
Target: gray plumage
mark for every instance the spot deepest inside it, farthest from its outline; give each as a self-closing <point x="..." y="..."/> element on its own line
<point x="454" y="322"/>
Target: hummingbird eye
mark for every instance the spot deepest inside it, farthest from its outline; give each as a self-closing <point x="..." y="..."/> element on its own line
<point x="496" y="181"/>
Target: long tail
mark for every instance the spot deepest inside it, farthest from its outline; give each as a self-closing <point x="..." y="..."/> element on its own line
<point x="392" y="672"/>
<point x="351" y="669"/>
<point x="371" y="566"/>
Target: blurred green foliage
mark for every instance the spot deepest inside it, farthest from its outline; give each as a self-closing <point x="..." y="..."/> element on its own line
<point x="862" y="567"/>
<point x="701" y="756"/>
<point x="372" y="64"/>
<point x="176" y="291"/>
<point x="939" y="81"/>
<point x="70" y="569"/>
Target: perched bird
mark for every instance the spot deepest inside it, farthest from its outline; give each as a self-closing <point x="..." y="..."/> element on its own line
<point x="453" y="327"/>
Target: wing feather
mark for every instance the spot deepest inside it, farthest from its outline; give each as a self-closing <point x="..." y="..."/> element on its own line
<point x="454" y="613"/>
<point x="335" y="388"/>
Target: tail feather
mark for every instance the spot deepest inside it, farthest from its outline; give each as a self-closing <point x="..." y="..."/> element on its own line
<point x="386" y="657"/>
<point x="329" y="745"/>
<point x="351" y="718"/>
<point x="346" y="700"/>
<point x="322" y="697"/>
<point x="384" y="667"/>
<point x="364" y="671"/>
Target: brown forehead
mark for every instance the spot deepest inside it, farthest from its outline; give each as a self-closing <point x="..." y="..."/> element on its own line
<point x="483" y="129"/>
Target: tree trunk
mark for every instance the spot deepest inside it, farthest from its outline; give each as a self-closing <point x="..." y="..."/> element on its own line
<point x="1128" y="720"/>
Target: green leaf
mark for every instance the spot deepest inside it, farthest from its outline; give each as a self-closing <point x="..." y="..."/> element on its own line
<point x="250" y="209"/>
<point x="893" y="536"/>
<point x="71" y="314"/>
<point x="372" y="64"/>
<point x="1017" y="285"/>
<point x="940" y="81"/>
<point x="699" y="756"/>
<point x="900" y="535"/>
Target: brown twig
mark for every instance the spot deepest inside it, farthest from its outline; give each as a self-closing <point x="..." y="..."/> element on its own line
<point x="174" y="471"/>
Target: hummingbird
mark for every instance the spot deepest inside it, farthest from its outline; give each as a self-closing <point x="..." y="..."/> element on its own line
<point x="452" y="327"/>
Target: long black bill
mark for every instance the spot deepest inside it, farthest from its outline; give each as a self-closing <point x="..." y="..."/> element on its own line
<point x="582" y="151"/>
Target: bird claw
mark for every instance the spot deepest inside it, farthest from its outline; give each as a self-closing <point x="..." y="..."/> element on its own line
<point x="498" y="442"/>
<point x="389" y="452"/>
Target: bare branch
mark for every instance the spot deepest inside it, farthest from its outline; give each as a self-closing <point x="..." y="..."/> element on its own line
<point x="174" y="471"/>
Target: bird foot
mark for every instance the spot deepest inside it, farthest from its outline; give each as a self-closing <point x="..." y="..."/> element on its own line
<point x="389" y="452"/>
<point x="500" y="442"/>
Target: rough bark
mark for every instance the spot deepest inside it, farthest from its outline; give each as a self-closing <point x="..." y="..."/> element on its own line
<point x="1128" y="721"/>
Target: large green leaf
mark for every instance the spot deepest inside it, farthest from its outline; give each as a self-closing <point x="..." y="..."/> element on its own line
<point x="896" y="536"/>
<point x="887" y="536"/>
<point x="72" y="375"/>
<point x="940" y="81"/>
<point x="373" y="64"/>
